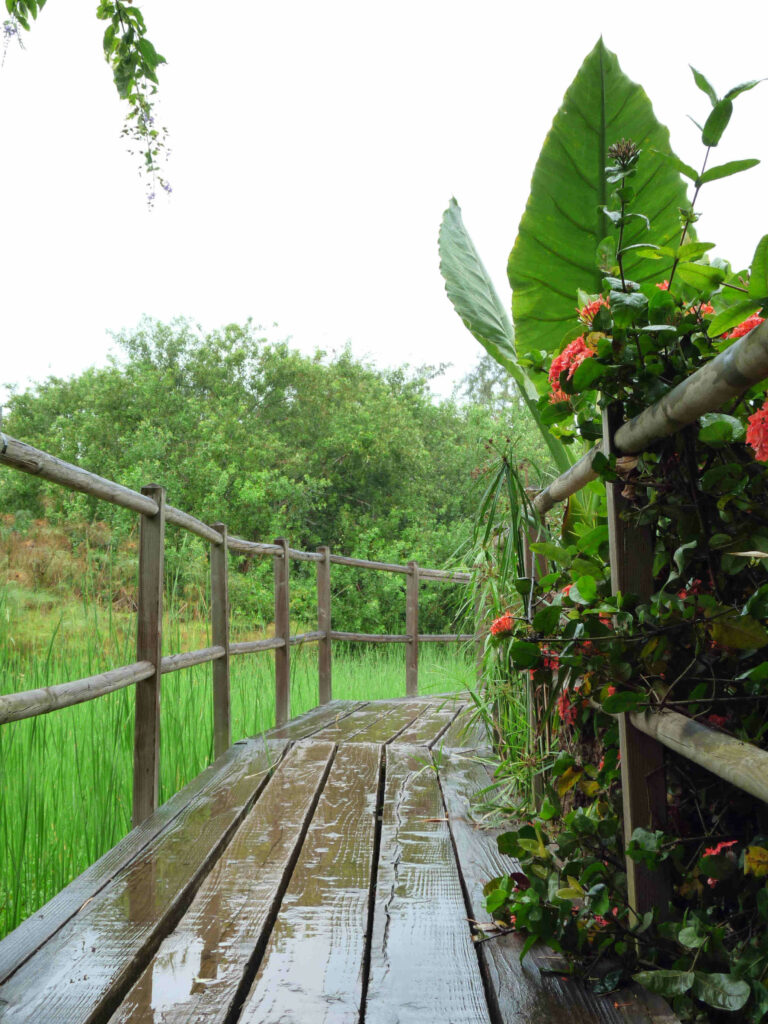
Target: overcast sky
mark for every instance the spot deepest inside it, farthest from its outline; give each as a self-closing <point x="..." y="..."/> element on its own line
<point x="314" y="148"/>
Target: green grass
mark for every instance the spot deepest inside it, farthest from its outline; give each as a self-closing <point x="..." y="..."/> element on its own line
<point x="65" y="778"/>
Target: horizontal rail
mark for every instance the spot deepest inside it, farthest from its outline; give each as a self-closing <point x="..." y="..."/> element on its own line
<point x="305" y="556"/>
<point x="371" y="638"/>
<point x="16" y="706"/>
<point x="251" y="646"/>
<point x="729" y="374"/>
<point x="188" y="522"/>
<point x="31" y="460"/>
<point x="742" y="764"/>
<point x="253" y="547"/>
<point x="444" y="574"/>
<point x="307" y="638"/>
<point x="186" y="659"/>
<point x="362" y="563"/>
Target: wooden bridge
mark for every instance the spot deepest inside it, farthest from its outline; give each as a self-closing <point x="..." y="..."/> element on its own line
<point x="329" y="871"/>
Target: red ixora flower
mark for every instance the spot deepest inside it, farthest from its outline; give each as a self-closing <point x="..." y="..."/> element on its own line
<point x="572" y="356"/>
<point x="550" y="659"/>
<point x="701" y="309"/>
<point x="663" y="286"/>
<point x="565" y="709"/>
<point x="719" y="720"/>
<point x="745" y="326"/>
<point x="713" y="851"/>
<point x="502" y="626"/>
<point x="757" y="432"/>
<point x="588" y="313"/>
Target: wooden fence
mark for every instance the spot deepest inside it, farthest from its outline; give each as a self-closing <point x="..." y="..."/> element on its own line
<point x="644" y="735"/>
<point x="145" y="673"/>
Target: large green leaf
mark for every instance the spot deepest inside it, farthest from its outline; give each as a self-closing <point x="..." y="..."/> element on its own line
<point x="474" y="298"/>
<point x="555" y="251"/>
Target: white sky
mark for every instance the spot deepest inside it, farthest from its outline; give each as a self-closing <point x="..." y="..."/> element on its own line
<point x="315" y="146"/>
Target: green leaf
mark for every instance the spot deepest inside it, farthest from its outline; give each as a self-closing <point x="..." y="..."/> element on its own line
<point x="692" y="251"/>
<point x="665" y="983"/>
<point x="474" y="298"/>
<point x="563" y="225"/>
<point x="584" y="590"/>
<point x="691" y="937"/>
<point x="717" y="122"/>
<point x="718" y="428"/>
<point x="733" y="316"/>
<point x="685" y="169"/>
<point x="626" y="307"/>
<point x="758" y="275"/>
<point x="704" y="85"/>
<point x="723" y="991"/>
<point x="701" y="276"/>
<point x="524" y="654"/>
<point x="586" y="374"/>
<point x="619" y="703"/>
<point x="741" y="632"/>
<point x="552" y="552"/>
<point x="737" y="90"/>
<point x="546" y="619"/>
<point x="725" y="170"/>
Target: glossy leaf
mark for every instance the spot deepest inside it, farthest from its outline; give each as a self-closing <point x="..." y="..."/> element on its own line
<point x="563" y="225"/>
<point x="475" y="299"/>
<point x="722" y="991"/>
<point x="719" y="428"/>
<point x="733" y="316"/>
<point x="758" y="275"/>
<point x="665" y="983"/>
<point x="700" y="276"/>
<point x="741" y="632"/>
<point x="704" y="85"/>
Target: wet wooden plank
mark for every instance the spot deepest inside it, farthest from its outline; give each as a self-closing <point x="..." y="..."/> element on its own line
<point x="520" y="991"/>
<point x="467" y="732"/>
<point x="377" y="722"/>
<point x="198" y="972"/>
<point x="82" y="971"/>
<point x="312" y="722"/>
<point x="430" y="726"/>
<point x="20" y="944"/>
<point x="423" y="963"/>
<point x="312" y="970"/>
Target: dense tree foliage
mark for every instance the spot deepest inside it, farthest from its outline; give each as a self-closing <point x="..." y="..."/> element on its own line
<point x="324" y="450"/>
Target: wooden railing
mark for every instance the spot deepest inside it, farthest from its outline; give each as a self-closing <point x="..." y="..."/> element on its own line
<point x="150" y="665"/>
<point x="644" y="735"/>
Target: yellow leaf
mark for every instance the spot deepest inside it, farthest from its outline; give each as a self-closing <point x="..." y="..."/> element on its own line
<point x="568" y="780"/>
<point x="575" y="884"/>
<point x="756" y="861"/>
<point x="589" y="788"/>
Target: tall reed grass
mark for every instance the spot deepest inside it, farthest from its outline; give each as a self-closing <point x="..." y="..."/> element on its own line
<point x="65" y="778"/>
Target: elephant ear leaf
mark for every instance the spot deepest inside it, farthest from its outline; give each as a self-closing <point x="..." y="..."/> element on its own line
<point x="558" y="248"/>
<point x="475" y="299"/>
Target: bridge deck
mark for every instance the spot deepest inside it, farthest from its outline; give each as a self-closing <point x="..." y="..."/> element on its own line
<point x="326" y="872"/>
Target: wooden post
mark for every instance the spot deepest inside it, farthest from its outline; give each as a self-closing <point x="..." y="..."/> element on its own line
<point x="642" y="758"/>
<point x="281" y="565"/>
<point x="146" y="744"/>
<point x="222" y="737"/>
<point x="324" y="625"/>
<point x="412" y="629"/>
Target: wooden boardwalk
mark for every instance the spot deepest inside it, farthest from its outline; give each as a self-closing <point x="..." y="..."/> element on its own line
<point x="326" y="872"/>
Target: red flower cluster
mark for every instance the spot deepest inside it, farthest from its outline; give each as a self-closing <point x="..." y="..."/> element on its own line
<point x="719" y="720"/>
<point x="663" y="286"/>
<point x="550" y="659"/>
<point x="757" y="432"/>
<point x="588" y="313"/>
<point x="502" y="626"/>
<point x="572" y="356"/>
<point x="713" y="851"/>
<point x="565" y="709"/>
<point x="745" y="327"/>
<point x="701" y="309"/>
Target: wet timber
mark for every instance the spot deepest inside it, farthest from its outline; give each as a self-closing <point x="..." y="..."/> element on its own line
<point x="329" y="871"/>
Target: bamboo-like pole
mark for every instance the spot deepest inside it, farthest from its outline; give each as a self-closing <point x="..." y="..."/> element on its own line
<point x="324" y="688"/>
<point x="412" y="629"/>
<point x="222" y="734"/>
<point x="567" y="483"/>
<point x="283" y="631"/>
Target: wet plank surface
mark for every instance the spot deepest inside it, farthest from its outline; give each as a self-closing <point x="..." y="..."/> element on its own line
<point x="520" y="991"/>
<point x="198" y="971"/>
<point x="423" y="963"/>
<point x="322" y="873"/>
<point x="85" y="966"/>
<point x="312" y="970"/>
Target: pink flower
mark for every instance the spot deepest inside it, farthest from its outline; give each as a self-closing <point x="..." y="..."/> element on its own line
<point x="558" y="395"/>
<point x="701" y="309"/>
<point x="572" y="356"/>
<point x="610" y="691"/>
<point x="713" y="851"/>
<point x="600" y="921"/>
<point x="566" y="589"/>
<point x="757" y="432"/>
<point x="550" y="659"/>
<point x="663" y="286"/>
<point x="718" y="720"/>
<point x="502" y="626"/>
<point x="745" y="326"/>
<point x="711" y="882"/>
